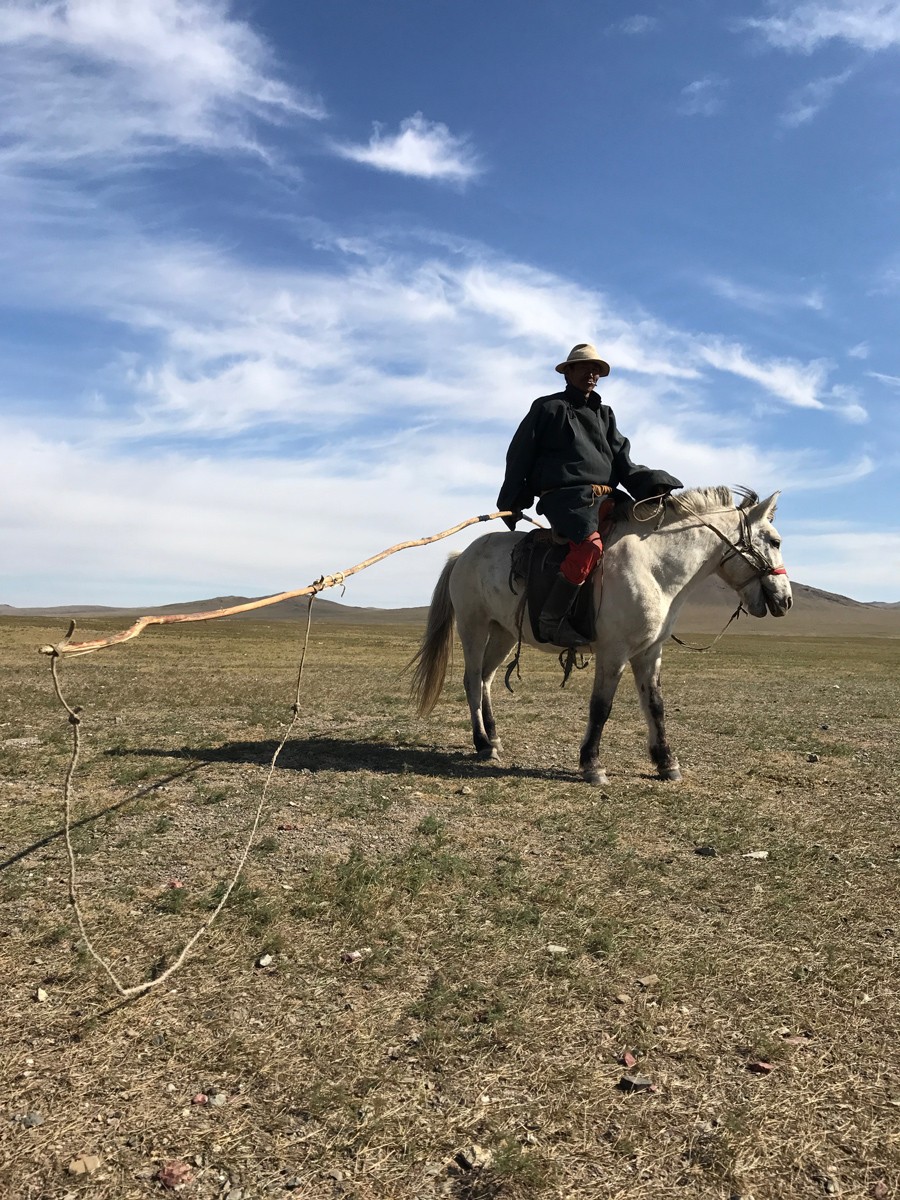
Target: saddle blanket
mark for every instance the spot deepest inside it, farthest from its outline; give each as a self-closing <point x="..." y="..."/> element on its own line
<point x="536" y="560"/>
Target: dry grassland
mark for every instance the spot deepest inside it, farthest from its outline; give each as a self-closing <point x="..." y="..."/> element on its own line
<point x="458" y="1056"/>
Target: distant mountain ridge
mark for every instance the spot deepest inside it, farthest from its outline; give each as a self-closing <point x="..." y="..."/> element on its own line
<point x="815" y="612"/>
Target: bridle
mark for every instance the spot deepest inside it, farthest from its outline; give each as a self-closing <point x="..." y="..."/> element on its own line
<point x="742" y="548"/>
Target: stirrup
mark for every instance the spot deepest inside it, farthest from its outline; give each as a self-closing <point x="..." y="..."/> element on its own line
<point x="565" y="634"/>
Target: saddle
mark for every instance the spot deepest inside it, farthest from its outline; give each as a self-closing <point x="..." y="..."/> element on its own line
<point x="536" y="560"/>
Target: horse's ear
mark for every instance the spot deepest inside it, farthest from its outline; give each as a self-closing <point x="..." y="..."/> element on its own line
<point x="765" y="509"/>
<point x="748" y="497"/>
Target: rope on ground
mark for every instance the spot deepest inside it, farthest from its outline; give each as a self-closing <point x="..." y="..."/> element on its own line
<point x="129" y="993"/>
<point x="66" y="646"/>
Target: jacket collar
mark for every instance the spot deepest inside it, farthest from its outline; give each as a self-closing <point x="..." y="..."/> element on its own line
<point x="578" y="399"/>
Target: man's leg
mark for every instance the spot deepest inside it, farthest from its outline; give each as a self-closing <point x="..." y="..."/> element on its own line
<point x="553" y="624"/>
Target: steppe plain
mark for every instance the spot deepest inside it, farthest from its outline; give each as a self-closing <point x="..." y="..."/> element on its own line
<point x="462" y="961"/>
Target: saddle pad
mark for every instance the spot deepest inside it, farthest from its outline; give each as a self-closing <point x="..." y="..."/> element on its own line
<point x="536" y="559"/>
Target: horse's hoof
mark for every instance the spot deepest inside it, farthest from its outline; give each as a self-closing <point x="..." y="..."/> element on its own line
<point x="595" y="776"/>
<point x="671" y="774"/>
<point x="488" y="754"/>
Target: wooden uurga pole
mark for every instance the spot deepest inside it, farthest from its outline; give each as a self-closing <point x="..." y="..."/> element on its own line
<point x="68" y="648"/>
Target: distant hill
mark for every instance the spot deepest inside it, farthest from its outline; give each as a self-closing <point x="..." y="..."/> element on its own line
<point x="815" y="613"/>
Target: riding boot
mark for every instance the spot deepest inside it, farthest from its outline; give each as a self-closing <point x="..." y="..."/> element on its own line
<point x="553" y="623"/>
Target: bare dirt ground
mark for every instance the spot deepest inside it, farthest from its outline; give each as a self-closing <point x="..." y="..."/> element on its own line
<point x="524" y="941"/>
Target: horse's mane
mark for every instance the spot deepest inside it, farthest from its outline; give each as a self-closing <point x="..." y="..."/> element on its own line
<point x="697" y="501"/>
<point x="704" y="500"/>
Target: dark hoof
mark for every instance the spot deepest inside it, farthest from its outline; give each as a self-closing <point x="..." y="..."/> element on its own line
<point x="671" y="775"/>
<point x="595" y="776"/>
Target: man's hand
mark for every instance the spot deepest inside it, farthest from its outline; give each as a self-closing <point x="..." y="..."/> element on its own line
<point x="510" y="522"/>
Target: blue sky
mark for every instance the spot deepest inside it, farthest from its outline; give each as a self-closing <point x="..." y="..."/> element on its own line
<point x="279" y="280"/>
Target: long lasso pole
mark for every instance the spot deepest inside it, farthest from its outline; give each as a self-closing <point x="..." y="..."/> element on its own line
<point x="68" y="648"/>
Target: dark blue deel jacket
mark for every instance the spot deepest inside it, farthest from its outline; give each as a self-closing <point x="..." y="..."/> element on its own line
<point x="567" y="442"/>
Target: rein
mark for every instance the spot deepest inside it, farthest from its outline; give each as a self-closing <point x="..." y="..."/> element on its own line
<point x="700" y="649"/>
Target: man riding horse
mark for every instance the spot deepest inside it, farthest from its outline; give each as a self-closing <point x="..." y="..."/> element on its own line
<point x="567" y="445"/>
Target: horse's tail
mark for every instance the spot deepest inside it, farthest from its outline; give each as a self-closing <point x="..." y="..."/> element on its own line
<point x="433" y="657"/>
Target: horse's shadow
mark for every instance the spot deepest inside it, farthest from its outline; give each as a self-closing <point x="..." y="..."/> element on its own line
<point x="308" y="756"/>
<point x="319" y="754"/>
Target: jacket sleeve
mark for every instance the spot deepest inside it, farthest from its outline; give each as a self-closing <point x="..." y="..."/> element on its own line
<point x="516" y="492"/>
<point x="641" y="482"/>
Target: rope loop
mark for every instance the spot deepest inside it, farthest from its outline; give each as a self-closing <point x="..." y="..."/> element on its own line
<point x="658" y="512"/>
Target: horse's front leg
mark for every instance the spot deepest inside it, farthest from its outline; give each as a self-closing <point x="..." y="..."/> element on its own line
<point x="646" y="668"/>
<point x="606" y="680"/>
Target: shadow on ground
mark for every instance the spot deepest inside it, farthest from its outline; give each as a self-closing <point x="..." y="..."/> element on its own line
<point x="312" y="755"/>
<point x="145" y="790"/>
<point x="342" y="754"/>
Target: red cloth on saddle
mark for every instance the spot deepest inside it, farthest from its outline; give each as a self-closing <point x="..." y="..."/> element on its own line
<point x="581" y="559"/>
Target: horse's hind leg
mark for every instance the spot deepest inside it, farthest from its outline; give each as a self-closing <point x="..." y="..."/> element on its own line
<point x="499" y="645"/>
<point x="485" y="645"/>
<point x="646" y="669"/>
<point x="475" y="633"/>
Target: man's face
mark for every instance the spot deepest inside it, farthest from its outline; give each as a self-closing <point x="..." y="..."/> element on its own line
<point x="583" y="376"/>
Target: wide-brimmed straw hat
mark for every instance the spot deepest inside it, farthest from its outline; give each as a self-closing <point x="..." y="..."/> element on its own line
<point x="584" y="352"/>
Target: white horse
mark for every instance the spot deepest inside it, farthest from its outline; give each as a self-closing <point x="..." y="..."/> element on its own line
<point x="649" y="568"/>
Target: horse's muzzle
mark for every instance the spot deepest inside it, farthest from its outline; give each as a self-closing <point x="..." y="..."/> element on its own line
<point x="778" y="600"/>
<point x="762" y="595"/>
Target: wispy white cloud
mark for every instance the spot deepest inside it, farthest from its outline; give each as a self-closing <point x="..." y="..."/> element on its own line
<point x="800" y="385"/>
<point x="891" y="381"/>
<point x="797" y="384"/>
<point x="808" y="101"/>
<point x="422" y="148"/>
<point x="846" y="404"/>
<point x="253" y="524"/>
<point x="816" y="476"/>
<point x="764" y="301"/>
<point x="860" y="350"/>
<point x="383" y="329"/>
<point x="112" y="81"/>
<point x="638" y="24"/>
<point x="703" y="97"/>
<point x="864" y="563"/>
<point x="869" y="24"/>
<point x="888" y="279"/>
